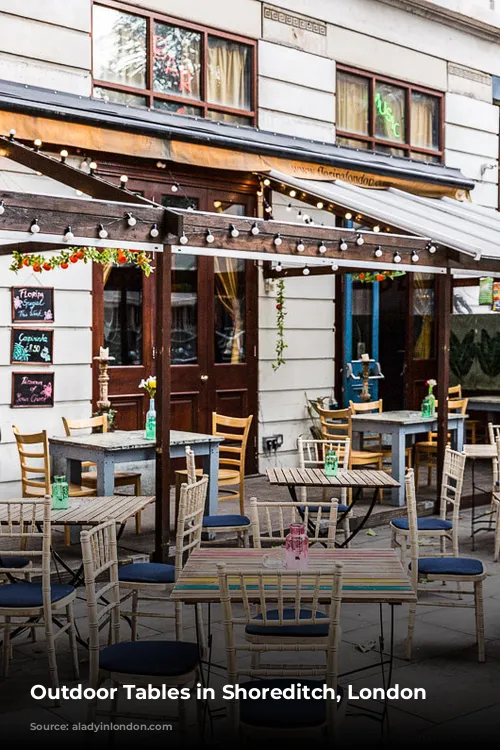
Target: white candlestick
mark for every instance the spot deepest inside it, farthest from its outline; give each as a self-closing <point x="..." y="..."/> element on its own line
<point x="103" y="353"/>
<point x="365" y="357"/>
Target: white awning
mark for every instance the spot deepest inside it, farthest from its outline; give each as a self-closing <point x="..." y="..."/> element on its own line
<point x="459" y="225"/>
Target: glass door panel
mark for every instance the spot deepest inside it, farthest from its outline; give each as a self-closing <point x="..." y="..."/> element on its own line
<point x="123" y="329"/>
<point x="229" y="310"/>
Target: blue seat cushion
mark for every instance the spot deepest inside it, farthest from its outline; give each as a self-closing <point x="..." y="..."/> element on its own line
<point x="452" y="566"/>
<point x="155" y="658"/>
<point x="341" y="508"/>
<point x="281" y="713"/>
<point x="222" y="521"/>
<point x="147" y="573"/>
<point x="14" y="562"/>
<point x="30" y="594"/>
<point x="424" y="524"/>
<point x="291" y="631"/>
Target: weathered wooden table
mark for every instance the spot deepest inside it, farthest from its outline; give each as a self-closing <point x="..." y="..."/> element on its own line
<point x="111" y="448"/>
<point x="476" y="451"/>
<point x="399" y="424"/>
<point x="489" y="404"/>
<point x="345" y="478"/>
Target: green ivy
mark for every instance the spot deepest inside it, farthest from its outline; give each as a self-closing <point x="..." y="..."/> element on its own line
<point x="280" y="325"/>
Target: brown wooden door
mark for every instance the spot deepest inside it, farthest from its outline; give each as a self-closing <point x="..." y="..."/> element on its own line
<point x="421" y="362"/>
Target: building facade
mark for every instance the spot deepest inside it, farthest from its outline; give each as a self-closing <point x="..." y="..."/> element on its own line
<point x="404" y="86"/>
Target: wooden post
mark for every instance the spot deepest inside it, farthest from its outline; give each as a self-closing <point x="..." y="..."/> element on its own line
<point x="442" y="322"/>
<point x="163" y="326"/>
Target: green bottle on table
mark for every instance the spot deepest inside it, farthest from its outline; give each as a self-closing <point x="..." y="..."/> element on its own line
<point x="331" y="463"/>
<point x="60" y="494"/>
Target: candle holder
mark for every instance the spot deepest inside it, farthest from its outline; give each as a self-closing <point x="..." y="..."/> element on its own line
<point x="104" y="404"/>
<point x="365" y="377"/>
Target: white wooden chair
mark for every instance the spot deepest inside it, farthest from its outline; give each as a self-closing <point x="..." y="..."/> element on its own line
<point x="288" y="601"/>
<point x="33" y="604"/>
<point x="271" y="521"/>
<point x="495" y="499"/>
<point x="439" y="529"/>
<point x="458" y="570"/>
<point x="312" y="454"/>
<point x="142" y="663"/>
<point x="154" y="580"/>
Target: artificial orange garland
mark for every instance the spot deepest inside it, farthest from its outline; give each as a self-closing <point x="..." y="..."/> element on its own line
<point x="105" y="256"/>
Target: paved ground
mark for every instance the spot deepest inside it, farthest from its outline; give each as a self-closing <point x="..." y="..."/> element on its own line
<point x="463" y="697"/>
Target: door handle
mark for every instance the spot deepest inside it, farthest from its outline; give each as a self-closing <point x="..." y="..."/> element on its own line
<point x="204" y="378"/>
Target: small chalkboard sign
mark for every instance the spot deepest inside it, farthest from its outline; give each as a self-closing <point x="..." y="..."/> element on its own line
<point x="32" y="303"/>
<point x="31" y="346"/>
<point x="32" y="389"/>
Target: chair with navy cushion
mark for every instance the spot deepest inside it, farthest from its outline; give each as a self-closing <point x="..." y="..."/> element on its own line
<point x="171" y="663"/>
<point x="443" y="570"/>
<point x="312" y="454"/>
<point x="296" y="623"/>
<point x="437" y="530"/>
<point x="27" y="604"/>
<point x="154" y="580"/>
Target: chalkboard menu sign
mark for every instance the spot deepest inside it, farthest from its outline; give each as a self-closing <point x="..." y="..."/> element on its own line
<point x="32" y="389"/>
<point x="31" y="346"/>
<point x="32" y="303"/>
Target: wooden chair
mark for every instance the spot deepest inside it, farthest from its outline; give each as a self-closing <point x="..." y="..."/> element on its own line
<point x="158" y="663"/>
<point x="290" y="620"/>
<point x="455" y="570"/>
<point x="271" y="521"/>
<point x="312" y="455"/>
<point x="441" y="528"/>
<point x="375" y="442"/>
<point x="426" y="450"/>
<point x="471" y="425"/>
<point x="155" y="579"/>
<point x="495" y="500"/>
<point x="35" y="470"/>
<point x="33" y="605"/>
<point x="89" y="478"/>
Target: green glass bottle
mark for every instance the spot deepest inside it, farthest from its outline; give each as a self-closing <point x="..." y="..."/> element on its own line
<point x="426" y="408"/>
<point x="60" y="494"/>
<point x="331" y="464"/>
<point x="151" y="421"/>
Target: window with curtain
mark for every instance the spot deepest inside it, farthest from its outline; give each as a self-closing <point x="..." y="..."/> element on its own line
<point x="123" y="314"/>
<point x="229" y="276"/>
<point x="423" y="316"/>
<point x="153" y="61"/>
<point x="392" y="117"/>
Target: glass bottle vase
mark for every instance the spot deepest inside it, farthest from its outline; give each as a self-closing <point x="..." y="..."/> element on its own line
<point x="151" y="421"/>
<point x="60" y="494"/>
<point x="296" y="548"/>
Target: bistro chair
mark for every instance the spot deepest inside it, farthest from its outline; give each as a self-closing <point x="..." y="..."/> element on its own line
<point x="495" y="504"/>
<point x="89" y="478"/>
<point x="441" y="528"/>
<point x="154" y="579"/>
<point x="290" y="620"/>
<point x="171" y="663"/>
<point x="312" y="454"/>
<point x="24" y="604"/>
<point x="271" y="521"/>
<point x="34" y="457"/>
<point x="456" y="570"/>
<point x="375" y="442"/>
<point x="426" y="450"/>
<point x="471" y="425"/>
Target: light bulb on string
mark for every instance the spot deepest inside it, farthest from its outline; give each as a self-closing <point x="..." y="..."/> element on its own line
<point x="92" y="167"/>
<point x="378" y="252"/>
<point x="233" y="231"/>
<point x="209" y="236"/>
<point x="123" y="181"/>
<point x="343" y="244"/>
<point x="12" y="134"/>
<point x="306" y="218"/>
<point x="306" y="271"/>
<point x="2" y="208"/>
<point x="64" y="155"/>
<point x="292" y="193"/>
<point x="37" y="144"/>
<point x="278" y="268"/>
<point x="103" y="233"/>
<point x="335" y="267"/>
<point x="397" y="257"/>
<point x="360" y="240"/>
<point x="348" y="216"/>
<point x="289" y="207"/>
<point x="431" y="248"/>
<point x="322" y="248"/>
<point x="376" y="228"/>
<point x="300" y="246"/>
<point x="154" y="231"/>
<point x="260" y="193"/>
<point x="267" y="182"/>
<point x="131" y="220"/>
<point x="35" y="227"/>
<point x="255" y="229"/>
<point x="68" y="235"/>
<point x="175" y="188"/>
<point x="183" y="239"/>
<point x="415" y="257"/>
<point x="277" y="240"/>
<point x="319" y="205"/>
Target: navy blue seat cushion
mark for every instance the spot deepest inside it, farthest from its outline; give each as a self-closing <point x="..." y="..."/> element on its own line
<point x="424" y="524"/>
<point x="14" y="562"/>
<point x="155" y="658"/>
<point x="147" y="573"/>
<point x="30" y="594"/>
<point x="291" y="631"/>
<point x="221" y="521"/>
<point x="278" y="712"/>
<point x="453" y="566"/>
<point x="341" y="508"/>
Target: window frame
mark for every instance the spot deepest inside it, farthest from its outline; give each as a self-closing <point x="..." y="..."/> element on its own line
<point x="148" y="93"/>
<point x="371" y="139"/>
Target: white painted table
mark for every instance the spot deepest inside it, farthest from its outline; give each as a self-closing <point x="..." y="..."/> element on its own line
<point x="399" y="424"/>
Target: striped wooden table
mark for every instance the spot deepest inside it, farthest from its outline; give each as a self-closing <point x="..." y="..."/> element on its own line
<point x="310" y="477"/>
<point x="375" y="575"/>
<point x="91" y="511"/>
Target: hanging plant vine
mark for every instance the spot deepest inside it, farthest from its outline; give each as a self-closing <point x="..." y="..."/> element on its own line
<point x="40" y="263"/>
<point x="369" y="277"/>
<point x="281" y="345"/>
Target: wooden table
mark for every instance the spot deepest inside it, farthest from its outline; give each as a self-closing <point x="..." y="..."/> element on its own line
<point x="399" y="424"/>
<point x="476" y="451"/>
<point x="345" y="478"/>
<point x="375" y="575"/>
<point x="111" y="448"/>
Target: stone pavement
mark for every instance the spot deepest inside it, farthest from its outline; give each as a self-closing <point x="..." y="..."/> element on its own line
<point x="463" y="696"/>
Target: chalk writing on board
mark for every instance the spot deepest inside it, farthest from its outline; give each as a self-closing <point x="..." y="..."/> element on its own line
<point x="32" y="389"/>
<point x="31" y="346"/>
<point x="31" y="303"/>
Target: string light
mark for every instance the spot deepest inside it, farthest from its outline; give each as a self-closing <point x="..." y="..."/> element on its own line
<point x="397" y="257"/>
<point x="322" y="248"/>
<point x="348" y="216"/>
<point x="154" y="232"/>
<point x="64" y="155"/>
<point x="233" y="231"/>
<point x="306" y="218"/>
<point x="306" y="271"/>
<point x="35" y="227"/>
<point x="123" y="181"/>
<point x="131" y="220"/>
<point x="68" y="235"/>
<point x="277" y="239"/>
<point x="299" y="214"/>
<point x="359" y="240"/>
<point x="319" y="205"/>
<point x="92" y="167"/>
<point x="335" y="267"/>
<point x="255" y="229"/>
<point x="217" y="204"/>
<point x="300" y="246"/>
<point x="415" y="257"/>
<point x="209" y="236"/>
<point x="376" y="228"/>
<point x="267" y="182"/>
<point x="12" y="134"/>
<point x="278" y="268"/>
<point x="260" y="193"/>
<point x="2" y="208"/>
<point x="183" y="239"/>
<point x="343" y="245"/>
<point x="431" y="248"/>
<point x="378" y="252"/>
<point x="292" y="193"/>
<point x="102" y="232"/>
<point x="289" y="207"/>
<point x="174" y="188"/>
<point x="37" y="144"/>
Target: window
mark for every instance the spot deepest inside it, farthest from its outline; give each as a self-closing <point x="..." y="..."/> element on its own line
<point x="384" y="115"/>
<point x="152" y="61"/>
